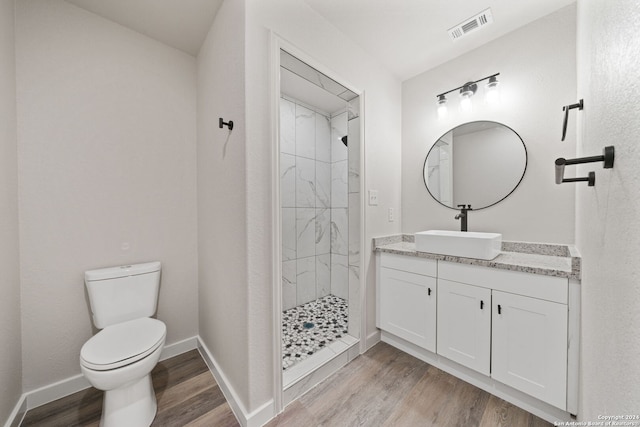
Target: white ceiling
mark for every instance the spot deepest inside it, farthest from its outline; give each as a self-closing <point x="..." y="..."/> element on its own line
<point x="182" y="24"/>
<point x="407" y="36"/>
<point x="410" y="36"/>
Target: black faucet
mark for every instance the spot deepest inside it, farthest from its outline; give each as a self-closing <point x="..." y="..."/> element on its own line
<point x="463" y="215"/>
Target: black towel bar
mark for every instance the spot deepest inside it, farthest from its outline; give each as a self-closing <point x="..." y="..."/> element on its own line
<point x="607" y="157"/>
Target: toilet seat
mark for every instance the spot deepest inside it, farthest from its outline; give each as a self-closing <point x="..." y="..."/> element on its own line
<point x="123" y="344"/>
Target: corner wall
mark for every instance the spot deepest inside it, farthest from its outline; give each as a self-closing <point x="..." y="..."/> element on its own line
<point x="537" y="69"/>
<point x="222" y="198"/>
<point x="607" y="231"/>
<point x="10" y="339"/>
<point x="107" y="159"/>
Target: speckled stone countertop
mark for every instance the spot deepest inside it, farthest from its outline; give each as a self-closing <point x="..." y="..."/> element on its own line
<point x="537" y="258"/>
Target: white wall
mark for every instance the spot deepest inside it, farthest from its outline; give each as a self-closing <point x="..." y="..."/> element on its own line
<point x="10" y="342"/>
<point x="297" y="23"/>
<point x="107" y="156"/>
<point x="537" y="72"/>
<point x="222" y="233"/>
<point x="607" y="231"/>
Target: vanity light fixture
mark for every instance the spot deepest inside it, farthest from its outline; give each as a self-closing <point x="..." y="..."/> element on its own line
<point x="467" y="90"/>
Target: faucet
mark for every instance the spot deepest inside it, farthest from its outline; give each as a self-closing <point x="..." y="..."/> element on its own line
<point x="463" y="215"/>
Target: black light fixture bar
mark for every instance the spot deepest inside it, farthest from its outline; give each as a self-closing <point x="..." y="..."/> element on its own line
<point x="467" y="84"/>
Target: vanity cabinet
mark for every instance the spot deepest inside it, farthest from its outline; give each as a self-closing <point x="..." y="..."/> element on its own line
<point x="529" y="346"/>
<point x="464" y="324"/>
<point x="407" y="303"/>
<point x="510" y="327"/>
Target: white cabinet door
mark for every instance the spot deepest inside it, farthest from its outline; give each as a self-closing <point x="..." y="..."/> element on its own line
<point x="464" y="324"/>
<point x="530" y="346"/>
<point x="408" y="306"/>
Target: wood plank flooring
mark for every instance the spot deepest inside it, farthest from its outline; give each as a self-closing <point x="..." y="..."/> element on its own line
<point x="186" y="392"/>
<point x="383" y="387"/>
<point x="386" y="387"/>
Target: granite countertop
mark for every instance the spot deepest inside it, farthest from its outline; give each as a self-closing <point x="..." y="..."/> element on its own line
<point x="537" y="258"/>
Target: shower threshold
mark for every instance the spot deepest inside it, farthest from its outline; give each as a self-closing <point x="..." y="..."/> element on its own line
<point x="315" y="344"/>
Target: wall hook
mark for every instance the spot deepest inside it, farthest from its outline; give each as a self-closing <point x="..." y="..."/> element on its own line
<point x="228" y="124"/>
<point x="579" y="105"/>
<point x="607" y="157"/>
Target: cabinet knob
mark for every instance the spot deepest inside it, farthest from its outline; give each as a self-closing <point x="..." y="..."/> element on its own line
<point x="481" y="305"/>
<point x="499" y="309"/>
<point x="428" y="291"/>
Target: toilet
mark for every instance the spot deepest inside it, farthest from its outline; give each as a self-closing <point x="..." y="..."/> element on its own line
<point x="120" y="357"/>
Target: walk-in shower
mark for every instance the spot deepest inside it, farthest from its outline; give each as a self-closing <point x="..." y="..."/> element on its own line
<point x="320" y="213"/>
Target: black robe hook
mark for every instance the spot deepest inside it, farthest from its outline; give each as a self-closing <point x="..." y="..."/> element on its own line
<point x="228" y="124"/>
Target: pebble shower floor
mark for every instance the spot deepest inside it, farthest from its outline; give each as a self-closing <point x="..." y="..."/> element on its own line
<point x="308" y="328"/>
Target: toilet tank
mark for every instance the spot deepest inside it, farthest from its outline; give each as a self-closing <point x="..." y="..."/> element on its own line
<point x="118" y="294"/>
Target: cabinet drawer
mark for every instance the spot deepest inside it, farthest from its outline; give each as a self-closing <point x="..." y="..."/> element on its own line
<point x="548" y="288"/>
<point x="426" y="267"/>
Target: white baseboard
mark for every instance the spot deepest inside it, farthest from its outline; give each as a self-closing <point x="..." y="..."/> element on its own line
<point x="261" y="415"/>
<point x="49" y="393"/>
<point x="257" y="418"/>
<point x="15" y="418"/>
<point x="372" y="339"/>
<point x="55" y="391"/>
<point x="179" y="347"/>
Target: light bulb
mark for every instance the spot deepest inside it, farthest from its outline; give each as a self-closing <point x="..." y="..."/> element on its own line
<point x="492" y="92"/>
<point x="466" y="105"/>
<point x="442" y="107"/>
<point x="466" y="93"/>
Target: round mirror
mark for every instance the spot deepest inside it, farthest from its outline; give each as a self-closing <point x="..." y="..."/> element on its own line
<point x="476" y="163"/>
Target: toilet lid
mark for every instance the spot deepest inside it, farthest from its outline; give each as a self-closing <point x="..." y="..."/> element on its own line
<point x="122" y="344"/>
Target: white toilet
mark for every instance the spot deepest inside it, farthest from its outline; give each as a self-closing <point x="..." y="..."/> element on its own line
<point x="120" y="357"/>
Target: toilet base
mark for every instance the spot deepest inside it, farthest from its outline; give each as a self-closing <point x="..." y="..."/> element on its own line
<point x="133" y="405"/>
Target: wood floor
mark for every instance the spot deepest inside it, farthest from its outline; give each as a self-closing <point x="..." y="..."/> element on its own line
<point x="386" y="387"/>
<point x="186" y="392"/>
<point x="383" y="387"/>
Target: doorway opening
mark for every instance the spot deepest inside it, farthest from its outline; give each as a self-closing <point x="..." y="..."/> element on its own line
<point x="320" y="206"/>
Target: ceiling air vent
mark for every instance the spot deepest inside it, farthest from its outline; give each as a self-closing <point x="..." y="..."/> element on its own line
<point x="467" y="26"/>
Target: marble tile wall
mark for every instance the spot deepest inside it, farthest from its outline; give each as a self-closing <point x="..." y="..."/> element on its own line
<point x="305" y="169"/>
<point x="320" y="205"/>
<point x="339" y="207"/>
<point x="353" y="205"/>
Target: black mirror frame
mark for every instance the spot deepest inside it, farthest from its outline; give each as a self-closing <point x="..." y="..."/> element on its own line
<point x="526" y="163"/>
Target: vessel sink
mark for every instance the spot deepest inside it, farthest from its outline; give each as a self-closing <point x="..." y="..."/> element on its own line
<point x="459" y="243"/>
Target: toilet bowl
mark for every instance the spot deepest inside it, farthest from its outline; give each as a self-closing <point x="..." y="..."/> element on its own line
<point x="115" y="361"/>
<point x="119" y="359"/>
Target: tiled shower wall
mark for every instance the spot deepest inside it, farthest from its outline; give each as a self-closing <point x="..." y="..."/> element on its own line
<point x="353" y="126"/>
<point x="315" y="196"/>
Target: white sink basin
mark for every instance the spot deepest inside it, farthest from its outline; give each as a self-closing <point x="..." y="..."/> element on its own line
<point x="459" y="243"/>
